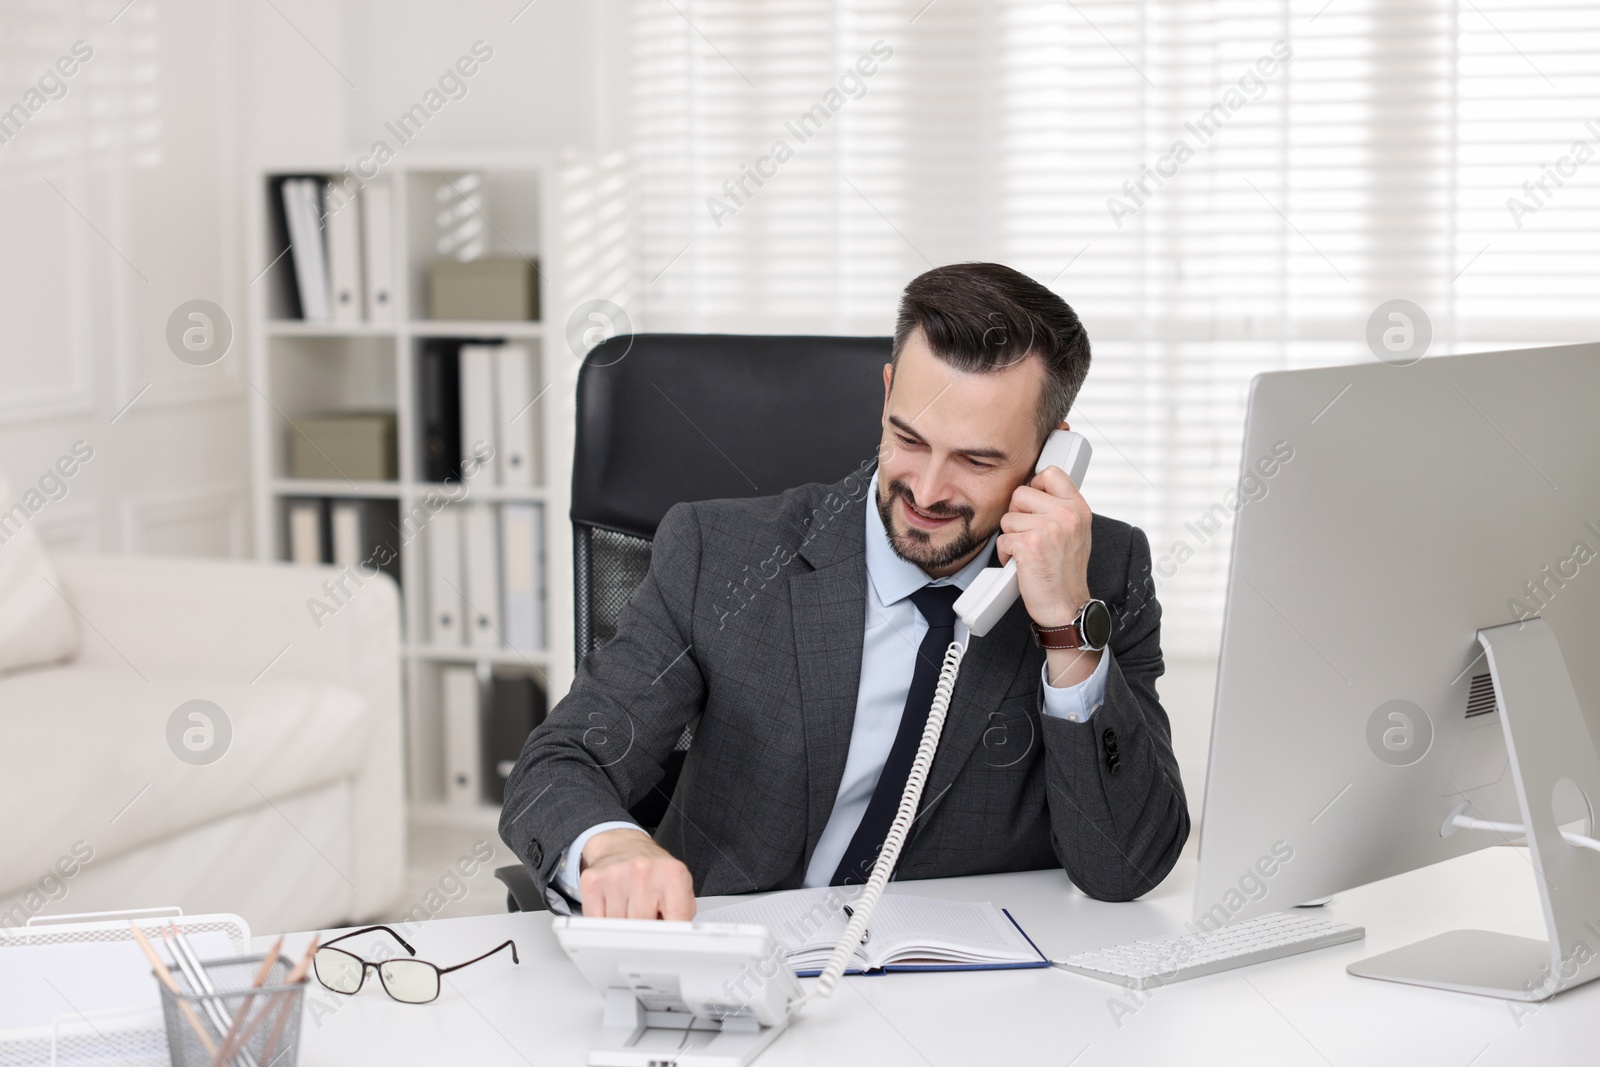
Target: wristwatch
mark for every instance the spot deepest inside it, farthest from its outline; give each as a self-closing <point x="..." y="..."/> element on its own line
<point x="1090" y="631"/>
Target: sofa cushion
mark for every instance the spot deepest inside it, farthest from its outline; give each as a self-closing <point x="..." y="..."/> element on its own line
<point x="87" y="757"/>
<point x="36" y="625"/>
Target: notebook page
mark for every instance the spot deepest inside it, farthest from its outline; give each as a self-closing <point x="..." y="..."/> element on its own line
<point x="808" y="923"/>
<point x="945" y="930"/>
<point x="800" y="919"/>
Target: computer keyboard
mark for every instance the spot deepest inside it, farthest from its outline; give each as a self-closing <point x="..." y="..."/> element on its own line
<point x="1147" y="964"/>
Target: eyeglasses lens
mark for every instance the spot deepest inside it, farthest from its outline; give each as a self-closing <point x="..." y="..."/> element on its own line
<point x="410" y="981"/>
<point x="339" y="971"/>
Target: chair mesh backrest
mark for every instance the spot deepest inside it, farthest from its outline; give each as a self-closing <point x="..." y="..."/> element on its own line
<point x="611" y="566"/>
<point x="617" y="563"/>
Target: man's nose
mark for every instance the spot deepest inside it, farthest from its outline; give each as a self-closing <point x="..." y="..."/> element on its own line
<point x="933" y="483"/>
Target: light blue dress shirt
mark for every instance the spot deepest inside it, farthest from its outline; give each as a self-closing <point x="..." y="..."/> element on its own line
<point x="894" y="632"/>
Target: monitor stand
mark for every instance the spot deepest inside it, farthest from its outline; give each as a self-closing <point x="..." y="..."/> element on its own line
<point x="1546" y="740"/>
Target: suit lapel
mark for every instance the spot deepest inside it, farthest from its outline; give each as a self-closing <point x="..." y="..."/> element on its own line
<point x="829" y="611"/>
<point x="829" y="622"/>
<point x="987" y="670"/>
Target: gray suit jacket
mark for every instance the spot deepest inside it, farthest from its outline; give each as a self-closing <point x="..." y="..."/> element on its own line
<point x="751" y="620"/>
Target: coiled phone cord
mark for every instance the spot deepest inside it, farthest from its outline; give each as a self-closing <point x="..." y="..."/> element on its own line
<point x="889" y="854"/>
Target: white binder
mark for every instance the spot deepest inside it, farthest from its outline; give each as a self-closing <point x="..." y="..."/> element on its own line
<point x="344" y="261"/>
<point x="481" y="554"/>
<point x="347" y="533"/>
<point x="522" y="542"/>
<point x="445" y="610"/>
<point x="477" y="413"/>
<point x="514" y="387"/>
<point x="305" y="532"/>
<point x="377" y="224"/>
<point x="302" y="211"/>
<point x="463" y="736"/>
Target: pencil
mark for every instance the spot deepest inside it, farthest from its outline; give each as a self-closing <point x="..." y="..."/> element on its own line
<point x="210" y="1004"/>
<point x="172" y="984"/>
<point x="295" y="976"/>
<point x="234" y="1038"/>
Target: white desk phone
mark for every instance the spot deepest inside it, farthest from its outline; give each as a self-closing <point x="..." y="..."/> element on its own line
<point x="664" y="982"/>
<point x="994" y="590"/>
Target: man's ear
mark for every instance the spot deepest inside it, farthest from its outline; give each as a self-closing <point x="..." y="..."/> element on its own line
<point x="888" y="384"/>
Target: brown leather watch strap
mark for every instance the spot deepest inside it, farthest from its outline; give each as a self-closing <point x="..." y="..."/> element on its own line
<point x="1057" y="637"/>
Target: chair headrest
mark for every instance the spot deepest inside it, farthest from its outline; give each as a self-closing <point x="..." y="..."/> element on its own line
<point x="664" y="418"/>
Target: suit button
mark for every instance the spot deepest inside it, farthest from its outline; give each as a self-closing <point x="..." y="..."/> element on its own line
<point x="1109" y="739"/>
<point x="1113" y="763"/>
<point x="535" y="854"/>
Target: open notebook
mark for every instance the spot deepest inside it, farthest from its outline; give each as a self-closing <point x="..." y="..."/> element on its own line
<point x="907" y="933"/>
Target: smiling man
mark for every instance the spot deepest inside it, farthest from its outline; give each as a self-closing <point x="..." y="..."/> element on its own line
<point x="807" y="705"/>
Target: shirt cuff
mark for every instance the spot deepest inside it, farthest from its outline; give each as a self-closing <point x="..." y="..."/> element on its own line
<point x="1077" y="703"/>
<point x="567" y="870"/>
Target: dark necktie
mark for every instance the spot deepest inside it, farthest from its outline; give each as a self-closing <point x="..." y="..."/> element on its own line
<point x="937" y="604"/>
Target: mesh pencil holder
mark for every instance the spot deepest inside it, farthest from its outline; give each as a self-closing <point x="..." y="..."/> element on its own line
<point x="253" y="1026"/>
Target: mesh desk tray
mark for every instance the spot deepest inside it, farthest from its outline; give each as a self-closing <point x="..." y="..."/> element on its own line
<point x="86" y="997"/>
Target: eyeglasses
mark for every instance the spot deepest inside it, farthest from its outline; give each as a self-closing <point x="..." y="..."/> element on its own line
<point x="408" y="981"/>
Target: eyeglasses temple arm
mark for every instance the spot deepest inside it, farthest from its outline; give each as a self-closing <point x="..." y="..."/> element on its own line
<point x="367" y="930"/>
<point x="486" y="955"/>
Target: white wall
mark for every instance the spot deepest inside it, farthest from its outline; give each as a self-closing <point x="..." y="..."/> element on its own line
<point x="556" y="77"/>
<point x="149" y="152"/>
<point x="117" y="205"/>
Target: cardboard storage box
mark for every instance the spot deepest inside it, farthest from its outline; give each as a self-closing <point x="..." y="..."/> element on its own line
<point x="483" y="290"/>
<point x="359" y="445"/>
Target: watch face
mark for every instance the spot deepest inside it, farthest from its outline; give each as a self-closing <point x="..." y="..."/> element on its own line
<point x="1096" y="626"/>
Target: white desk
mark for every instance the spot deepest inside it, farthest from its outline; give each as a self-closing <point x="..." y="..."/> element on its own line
<point x="1300" y="1010"/>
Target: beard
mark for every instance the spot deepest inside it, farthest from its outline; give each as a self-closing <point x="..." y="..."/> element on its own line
<point x="916" y="546"/>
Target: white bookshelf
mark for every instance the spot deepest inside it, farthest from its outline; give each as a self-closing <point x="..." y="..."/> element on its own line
<point x="299" y="368"/>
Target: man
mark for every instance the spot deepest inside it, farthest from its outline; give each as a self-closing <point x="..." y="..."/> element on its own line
<point x="808" y="691"/>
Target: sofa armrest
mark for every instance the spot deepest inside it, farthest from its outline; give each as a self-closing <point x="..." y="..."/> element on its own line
<point x="164" y="616"/>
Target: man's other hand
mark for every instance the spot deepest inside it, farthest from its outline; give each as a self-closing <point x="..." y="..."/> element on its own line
<point x="624" y="874"/>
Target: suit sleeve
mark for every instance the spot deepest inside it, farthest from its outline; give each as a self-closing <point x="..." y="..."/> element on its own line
<point x="605" y="745"/>
<point x="1118" y="816"/>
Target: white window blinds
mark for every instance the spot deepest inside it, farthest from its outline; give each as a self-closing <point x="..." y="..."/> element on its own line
<point x="1219" y="188"/>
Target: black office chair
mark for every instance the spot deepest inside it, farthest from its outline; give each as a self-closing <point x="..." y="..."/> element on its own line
<point x="664" y="418"/>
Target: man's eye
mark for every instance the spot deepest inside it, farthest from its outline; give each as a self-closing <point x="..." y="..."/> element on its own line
<point x="907" y="441"/>
<point x="979" y="465"/>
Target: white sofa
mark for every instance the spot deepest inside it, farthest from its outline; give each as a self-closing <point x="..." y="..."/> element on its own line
<point x="301" y="822"/>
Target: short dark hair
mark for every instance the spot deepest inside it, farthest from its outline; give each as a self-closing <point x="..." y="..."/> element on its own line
<point x="986" y="316"/>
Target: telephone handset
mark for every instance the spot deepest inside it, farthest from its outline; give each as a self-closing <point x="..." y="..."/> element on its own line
<point x="980" y="607"/>
<point x="994" y="590"/>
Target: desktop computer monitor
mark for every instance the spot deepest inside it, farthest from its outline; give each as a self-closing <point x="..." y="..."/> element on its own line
<point x="1356" y="711"/>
